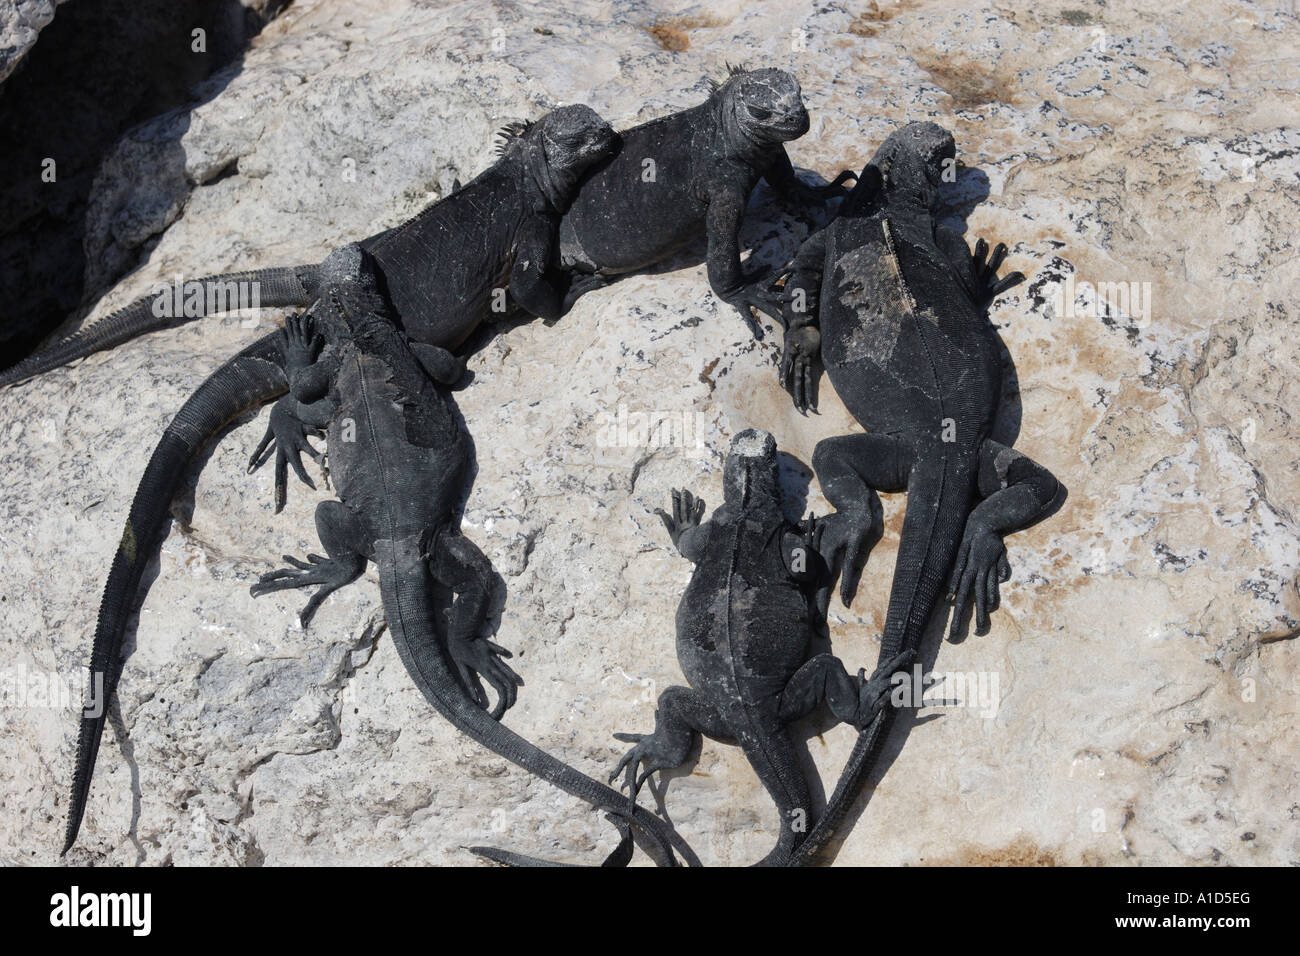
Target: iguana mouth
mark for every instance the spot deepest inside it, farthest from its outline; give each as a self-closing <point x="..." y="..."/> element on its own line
<point x="793" y="124"/>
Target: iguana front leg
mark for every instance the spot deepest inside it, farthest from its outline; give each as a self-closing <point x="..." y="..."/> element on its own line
<point x="781" y="177"/>
<point x="980" y="277"/>
<point x="684" y="524"/>
<point x="801" y="354"/>
<point x="726" y="275"/>
<point x="537" y="287"/>
<point x="304" y="412"/>
<point x="287" y="433"/>
<point x="1018" y="492"/>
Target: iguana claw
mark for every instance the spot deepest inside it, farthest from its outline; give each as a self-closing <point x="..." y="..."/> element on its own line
<point x="289" y="438"/>
<point x="986" y="274"/>
<point x="874" y="690"/>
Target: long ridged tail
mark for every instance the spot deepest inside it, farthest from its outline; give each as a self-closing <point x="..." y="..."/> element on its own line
<point x="938" y="503"/>
<point x="251" y="378"/>
<point x="275" y="287"/>
<point x="407" y="592"/>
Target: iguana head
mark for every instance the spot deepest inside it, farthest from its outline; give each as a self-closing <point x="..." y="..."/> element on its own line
<point x="350" y="286"/>
<point x="750" y="477"/>
<point x="558" y="148"/>
<point x="765" y="105"/>
<point x="912" y="160"/>
<point x="347" y="265"/>
<point x="575" y="137"/>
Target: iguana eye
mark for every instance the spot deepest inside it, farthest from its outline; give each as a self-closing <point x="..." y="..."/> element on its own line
<point x="759" y="113"/>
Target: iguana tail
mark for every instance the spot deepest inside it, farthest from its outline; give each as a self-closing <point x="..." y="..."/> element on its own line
<point x="938" y="503"/>
<point x="275" y="287"/>
<point x="407" y="591"/>
<point x="252" y="377"/>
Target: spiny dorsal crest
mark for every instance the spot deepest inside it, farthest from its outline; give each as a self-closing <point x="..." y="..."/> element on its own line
<point x="732" y="70"/>
<point x="512" y="133"/>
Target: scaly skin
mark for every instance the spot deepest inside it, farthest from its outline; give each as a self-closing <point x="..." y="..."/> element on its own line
<point x="398" y="484"/>
<point x="745" y="628"/>
<point x="569" y="140"/>
<point x="896" y="308"/>
<point x="689" y="174"/>
<point x="443" y="266"/>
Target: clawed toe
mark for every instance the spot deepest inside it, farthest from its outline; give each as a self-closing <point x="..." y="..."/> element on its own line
<point x="632" y="762"/>
<point x="329" y="573"/>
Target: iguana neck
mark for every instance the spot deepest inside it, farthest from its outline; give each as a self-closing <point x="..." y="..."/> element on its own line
<point x="555" y="187"/>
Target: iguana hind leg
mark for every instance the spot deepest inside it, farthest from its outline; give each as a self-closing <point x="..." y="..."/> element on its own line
<point x="681" y="717"/>
<point x="850" y="470"/>
<point x="1017" y="492"/>
<point x="457" y="563"/>
<point x="853" y="700"/>
<point x="341" y="533"/>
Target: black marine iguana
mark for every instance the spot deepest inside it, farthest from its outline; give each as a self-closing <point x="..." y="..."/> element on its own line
<point x="446" y="269"/>
<point x="621" y="222"/>
<point x="398" y="483"/>
<point x="745" y="629"/>
<point x="897" y="308"/>
<point x="689" y="174"/>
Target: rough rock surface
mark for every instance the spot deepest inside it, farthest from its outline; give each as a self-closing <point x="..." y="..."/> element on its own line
<point x="21" y="21"/>
<point x="98" y="70"/>
<point x="1145" y="706"/>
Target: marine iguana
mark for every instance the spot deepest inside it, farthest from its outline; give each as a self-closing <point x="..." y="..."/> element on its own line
<point x="745" y="629"/>
<point x="398" y="483"/>
<point x="689" y="174"/>
<point x="896" y="307"/>
<point x="446" y="269"/>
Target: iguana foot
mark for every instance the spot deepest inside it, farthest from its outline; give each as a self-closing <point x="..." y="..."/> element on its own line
<point x="481" y="658"/>
<point x="288" y="436"/>
<point x="873" y="692"/>
<point x="330" y="573"/>
<point x="981" y="568"/>
<point x="580" y="283"/>
<point x="986" y="273"/>
<point x="299" y="342"/>
<point x="832" y="190"/>
<point x="679" y="720"/>
<point x="847" y="539"/>
<point x="340" y="533"/>
<point x="644" y="752"/>
<point x="800" y="366"/>
<point x="757" y="295"/>
<point x="687" y="512"/>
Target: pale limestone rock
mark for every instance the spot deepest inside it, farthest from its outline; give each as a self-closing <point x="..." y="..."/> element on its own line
<point x="1145" y="705"/>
